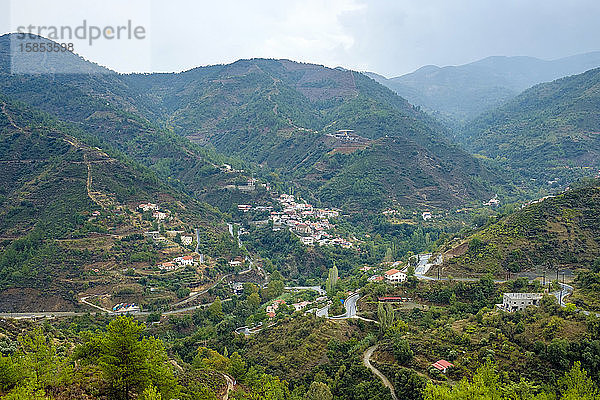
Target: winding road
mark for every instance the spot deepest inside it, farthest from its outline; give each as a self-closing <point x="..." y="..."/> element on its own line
<point x="367" y="362"/>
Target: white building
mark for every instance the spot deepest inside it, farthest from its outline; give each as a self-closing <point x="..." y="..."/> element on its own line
<point x="308" y="240"/>
<point x="426" y="215"/>
<point x="159" y="215"/>
<point x="519" y="301"/>
<point x="395" y="276"/>
<point x="185" y="260"/>
<point x="186" y="240"/>
<point x="148" y="207"/>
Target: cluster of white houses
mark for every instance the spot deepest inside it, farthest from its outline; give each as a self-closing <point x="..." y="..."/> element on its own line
<point x="156" y="213"/>
<point x="309" y="223"/>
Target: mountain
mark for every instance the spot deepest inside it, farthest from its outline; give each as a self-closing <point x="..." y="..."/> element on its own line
<point x="281" y="115"/>
<point x="457" y="94"/>
<point x="290" y="117"/>
<point x="549" y="132"/>
<point x="561" y="231"/>
<point x="68" y="209"/>
<point x="113" y="115"/>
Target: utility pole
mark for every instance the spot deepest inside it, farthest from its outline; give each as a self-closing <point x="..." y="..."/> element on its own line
<point x="544" y="279"/>
<point x="557" y="273"/>
<point x="439" y="266"/>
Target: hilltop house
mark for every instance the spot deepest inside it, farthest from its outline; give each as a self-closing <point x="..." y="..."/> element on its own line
<point x="167" y="266"/>
<point x="395" y="276"/>
<point x="159" y="215"/>
<point x="148" y="207"/>
<point x="512" y="302"/>
<point x="307" y="240"/>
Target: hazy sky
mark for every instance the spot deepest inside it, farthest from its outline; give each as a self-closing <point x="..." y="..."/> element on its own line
<point x="390" y="37"/>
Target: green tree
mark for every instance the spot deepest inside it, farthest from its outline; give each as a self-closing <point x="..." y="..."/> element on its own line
<point x="151" y="393"/>
<point x="577" y="385"/>
<point x="237" y="366"/>
<point x="254" y="301"/>
<point x="318" y="391"/>
<point x="386" y="316"/>
<point x="402" y="351"/>
<point x="128" y="361"/>
<point x="215" y="310"/>
<point x="332" y="279"/>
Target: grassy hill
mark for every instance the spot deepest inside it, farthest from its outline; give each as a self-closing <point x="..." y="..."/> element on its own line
<point x="114" y="115"/>
<point x="457" y="94"/>
<point x="69" y="219"/>
<point x="548" y="132"/>
<point x="558" y="232"/>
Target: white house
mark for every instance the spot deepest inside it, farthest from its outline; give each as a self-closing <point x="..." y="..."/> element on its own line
<point x="308" y="240"/>
<point x="185" y="260"/>
<point x="426" y="215"/>
<point x="519" y="301"/>
<point x="186" y="240"/>
<point x="395" y="276"/>
<point x="159" y="215"/>
<point x="148" y="207"/>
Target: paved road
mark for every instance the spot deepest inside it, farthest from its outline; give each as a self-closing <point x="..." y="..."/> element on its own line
<point x="367" y="362"/>
<point x="349" y="304"/>
<point x="323" y="312"/>
<point x="564" y="292"/>
<point x="317" y="289"/>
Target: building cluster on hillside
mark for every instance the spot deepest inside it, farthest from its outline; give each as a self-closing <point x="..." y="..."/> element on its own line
<point x="248" y="186"/>
<point x="309" y="223"/>
<point x="493" y="202"/>
<point x="248" y="207"/>
<point x="272" y="308"/>
<point x="537" y="201"/>
<point x="156" y="212"/>
<point x="299" y="306"/>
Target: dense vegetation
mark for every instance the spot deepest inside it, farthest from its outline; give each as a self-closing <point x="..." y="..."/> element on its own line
<point x="558" y="232"/>
<point x="547" y="133"/>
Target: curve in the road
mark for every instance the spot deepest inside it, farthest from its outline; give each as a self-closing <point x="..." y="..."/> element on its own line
<point x="367" y="362"/>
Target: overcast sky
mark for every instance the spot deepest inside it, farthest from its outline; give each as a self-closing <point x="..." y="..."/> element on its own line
<point x="390" y="37"/>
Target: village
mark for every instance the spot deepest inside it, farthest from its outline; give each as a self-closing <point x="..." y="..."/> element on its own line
<point x="310" y="224"/>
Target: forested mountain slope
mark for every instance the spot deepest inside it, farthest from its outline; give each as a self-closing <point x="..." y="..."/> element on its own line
<point x="557" y="232"/>
<point x="113" y="115"/>
<point x="67" y="207"/>
<point x="548" y="132"/>
<point x="282" y="114"/>
<point x="460" y="93"/>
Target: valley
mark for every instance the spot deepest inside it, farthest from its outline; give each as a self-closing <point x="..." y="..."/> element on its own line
<point x="270" y="229"/>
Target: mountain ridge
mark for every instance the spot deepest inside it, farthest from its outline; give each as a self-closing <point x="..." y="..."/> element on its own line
<point x="459" y="93"/>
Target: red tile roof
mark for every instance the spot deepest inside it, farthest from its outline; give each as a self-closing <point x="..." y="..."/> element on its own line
<point x="442" y="364"/>
<point x="392" y="271"/>
<point x="188" y="257"/>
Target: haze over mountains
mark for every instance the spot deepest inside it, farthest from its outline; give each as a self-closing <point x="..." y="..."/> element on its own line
<point x="457" y="94"/>
<point x="549" y="132"/>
